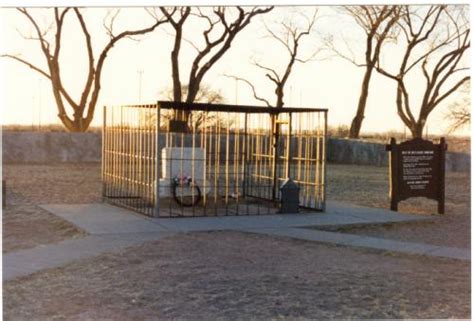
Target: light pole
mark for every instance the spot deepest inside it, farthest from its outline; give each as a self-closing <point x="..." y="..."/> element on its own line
<point x="33" y="100"/>
<point x="140" y="74"/>
<point x="39" y="103"/>
<point x="291" y="96"/>
<point x="236" y="91"/>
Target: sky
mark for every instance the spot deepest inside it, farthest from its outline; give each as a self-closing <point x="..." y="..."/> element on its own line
<point x="138" y="71"/>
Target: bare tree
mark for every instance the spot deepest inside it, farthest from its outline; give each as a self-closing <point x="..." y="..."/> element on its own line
<point x="460" y="112"/>
<point x="205" y="94"/>
<point x="437" y="38"/>
<point x="379" y="25"/>
<point x="290" y="37"/>
<point x="224" y="23"/>
<point x="83" y="109"/>
<point x="461" y="116"/>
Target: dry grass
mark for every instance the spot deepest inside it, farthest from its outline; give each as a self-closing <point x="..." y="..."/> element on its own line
<point x="25" y="224"/>
<point x="368" y="186"/>
<point x="56" y="183"/>
<point x="238" y="276"/>
<point x="232" y="275"/>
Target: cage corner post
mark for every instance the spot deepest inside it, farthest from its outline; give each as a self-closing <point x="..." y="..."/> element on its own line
<point x="156" y="208"/>
<point x="324" y="161"/>
<point x="103" y="160"/>
<point x="288" y="149"/>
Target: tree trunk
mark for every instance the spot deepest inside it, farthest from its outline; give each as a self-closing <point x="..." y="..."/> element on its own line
<point x="417" y="129"/>
<point x="78" y="125"/>
<point x="356" y="124"/>
<point x="279" y="93"/>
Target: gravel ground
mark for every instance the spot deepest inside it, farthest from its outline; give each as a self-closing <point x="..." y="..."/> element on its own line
<point x="239" y="276"/>
<point x="368" y="186"/>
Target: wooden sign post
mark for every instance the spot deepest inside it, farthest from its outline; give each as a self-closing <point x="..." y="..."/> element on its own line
<point x="417" y="170"/>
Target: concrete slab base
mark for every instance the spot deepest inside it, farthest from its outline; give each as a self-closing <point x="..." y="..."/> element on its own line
<point x="105" y="218"/>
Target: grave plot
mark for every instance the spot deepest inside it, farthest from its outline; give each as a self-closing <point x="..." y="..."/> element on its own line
<point x="178" y="160"/>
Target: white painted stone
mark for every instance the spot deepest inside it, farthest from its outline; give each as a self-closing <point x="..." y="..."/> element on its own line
<point x="186" y="161"/>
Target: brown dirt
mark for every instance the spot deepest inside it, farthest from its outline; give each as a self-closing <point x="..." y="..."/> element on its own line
<point x="25" y="225"/>
<point x="368" y="186"/>
<point x="238" y="276"/>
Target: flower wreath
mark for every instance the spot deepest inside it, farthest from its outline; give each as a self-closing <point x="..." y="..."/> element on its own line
<point x="183" y="180"/>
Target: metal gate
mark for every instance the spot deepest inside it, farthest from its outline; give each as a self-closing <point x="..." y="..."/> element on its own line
<point x="178" y="160"/>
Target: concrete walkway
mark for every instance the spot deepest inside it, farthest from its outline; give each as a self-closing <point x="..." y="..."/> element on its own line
<point x="111" y="228"/>
<point x="26" y="262"/>
<point x="375" y="243"/>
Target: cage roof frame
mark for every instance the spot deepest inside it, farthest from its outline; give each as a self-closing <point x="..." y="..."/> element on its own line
<point x="227" y="108"/>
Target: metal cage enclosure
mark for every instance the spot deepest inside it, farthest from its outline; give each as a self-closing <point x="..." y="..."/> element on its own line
<point x="178" y="160"/>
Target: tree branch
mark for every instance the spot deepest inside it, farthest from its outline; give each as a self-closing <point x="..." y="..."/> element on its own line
<point x="90" y="54"/>
<point x="252" y="87"/>
<point x="450" y="91"/>
<point x="273" y="72"/>
<point x="221" y="45"/>
<point x="42" y="72"/>
<point x="44" y="44"/>
<point x="103" y="55"/>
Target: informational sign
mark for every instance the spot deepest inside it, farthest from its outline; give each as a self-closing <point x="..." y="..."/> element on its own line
<point x="417" y="170"/>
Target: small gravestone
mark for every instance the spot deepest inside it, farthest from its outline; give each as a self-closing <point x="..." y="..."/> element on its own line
<point x="290" y="197"/>
<point x="417" y="169"/>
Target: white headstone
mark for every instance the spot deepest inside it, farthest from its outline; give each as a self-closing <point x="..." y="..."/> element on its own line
<point x="183" y="161"/>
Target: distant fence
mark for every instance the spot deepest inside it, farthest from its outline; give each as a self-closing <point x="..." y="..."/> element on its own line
<point x="58" y="147"/>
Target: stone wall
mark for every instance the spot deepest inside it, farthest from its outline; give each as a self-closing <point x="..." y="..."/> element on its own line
<point x="50" y="147"/>
<point x="56" y="147"/>
<point x="458" y="162"/>
<point x="346" y="151"/>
